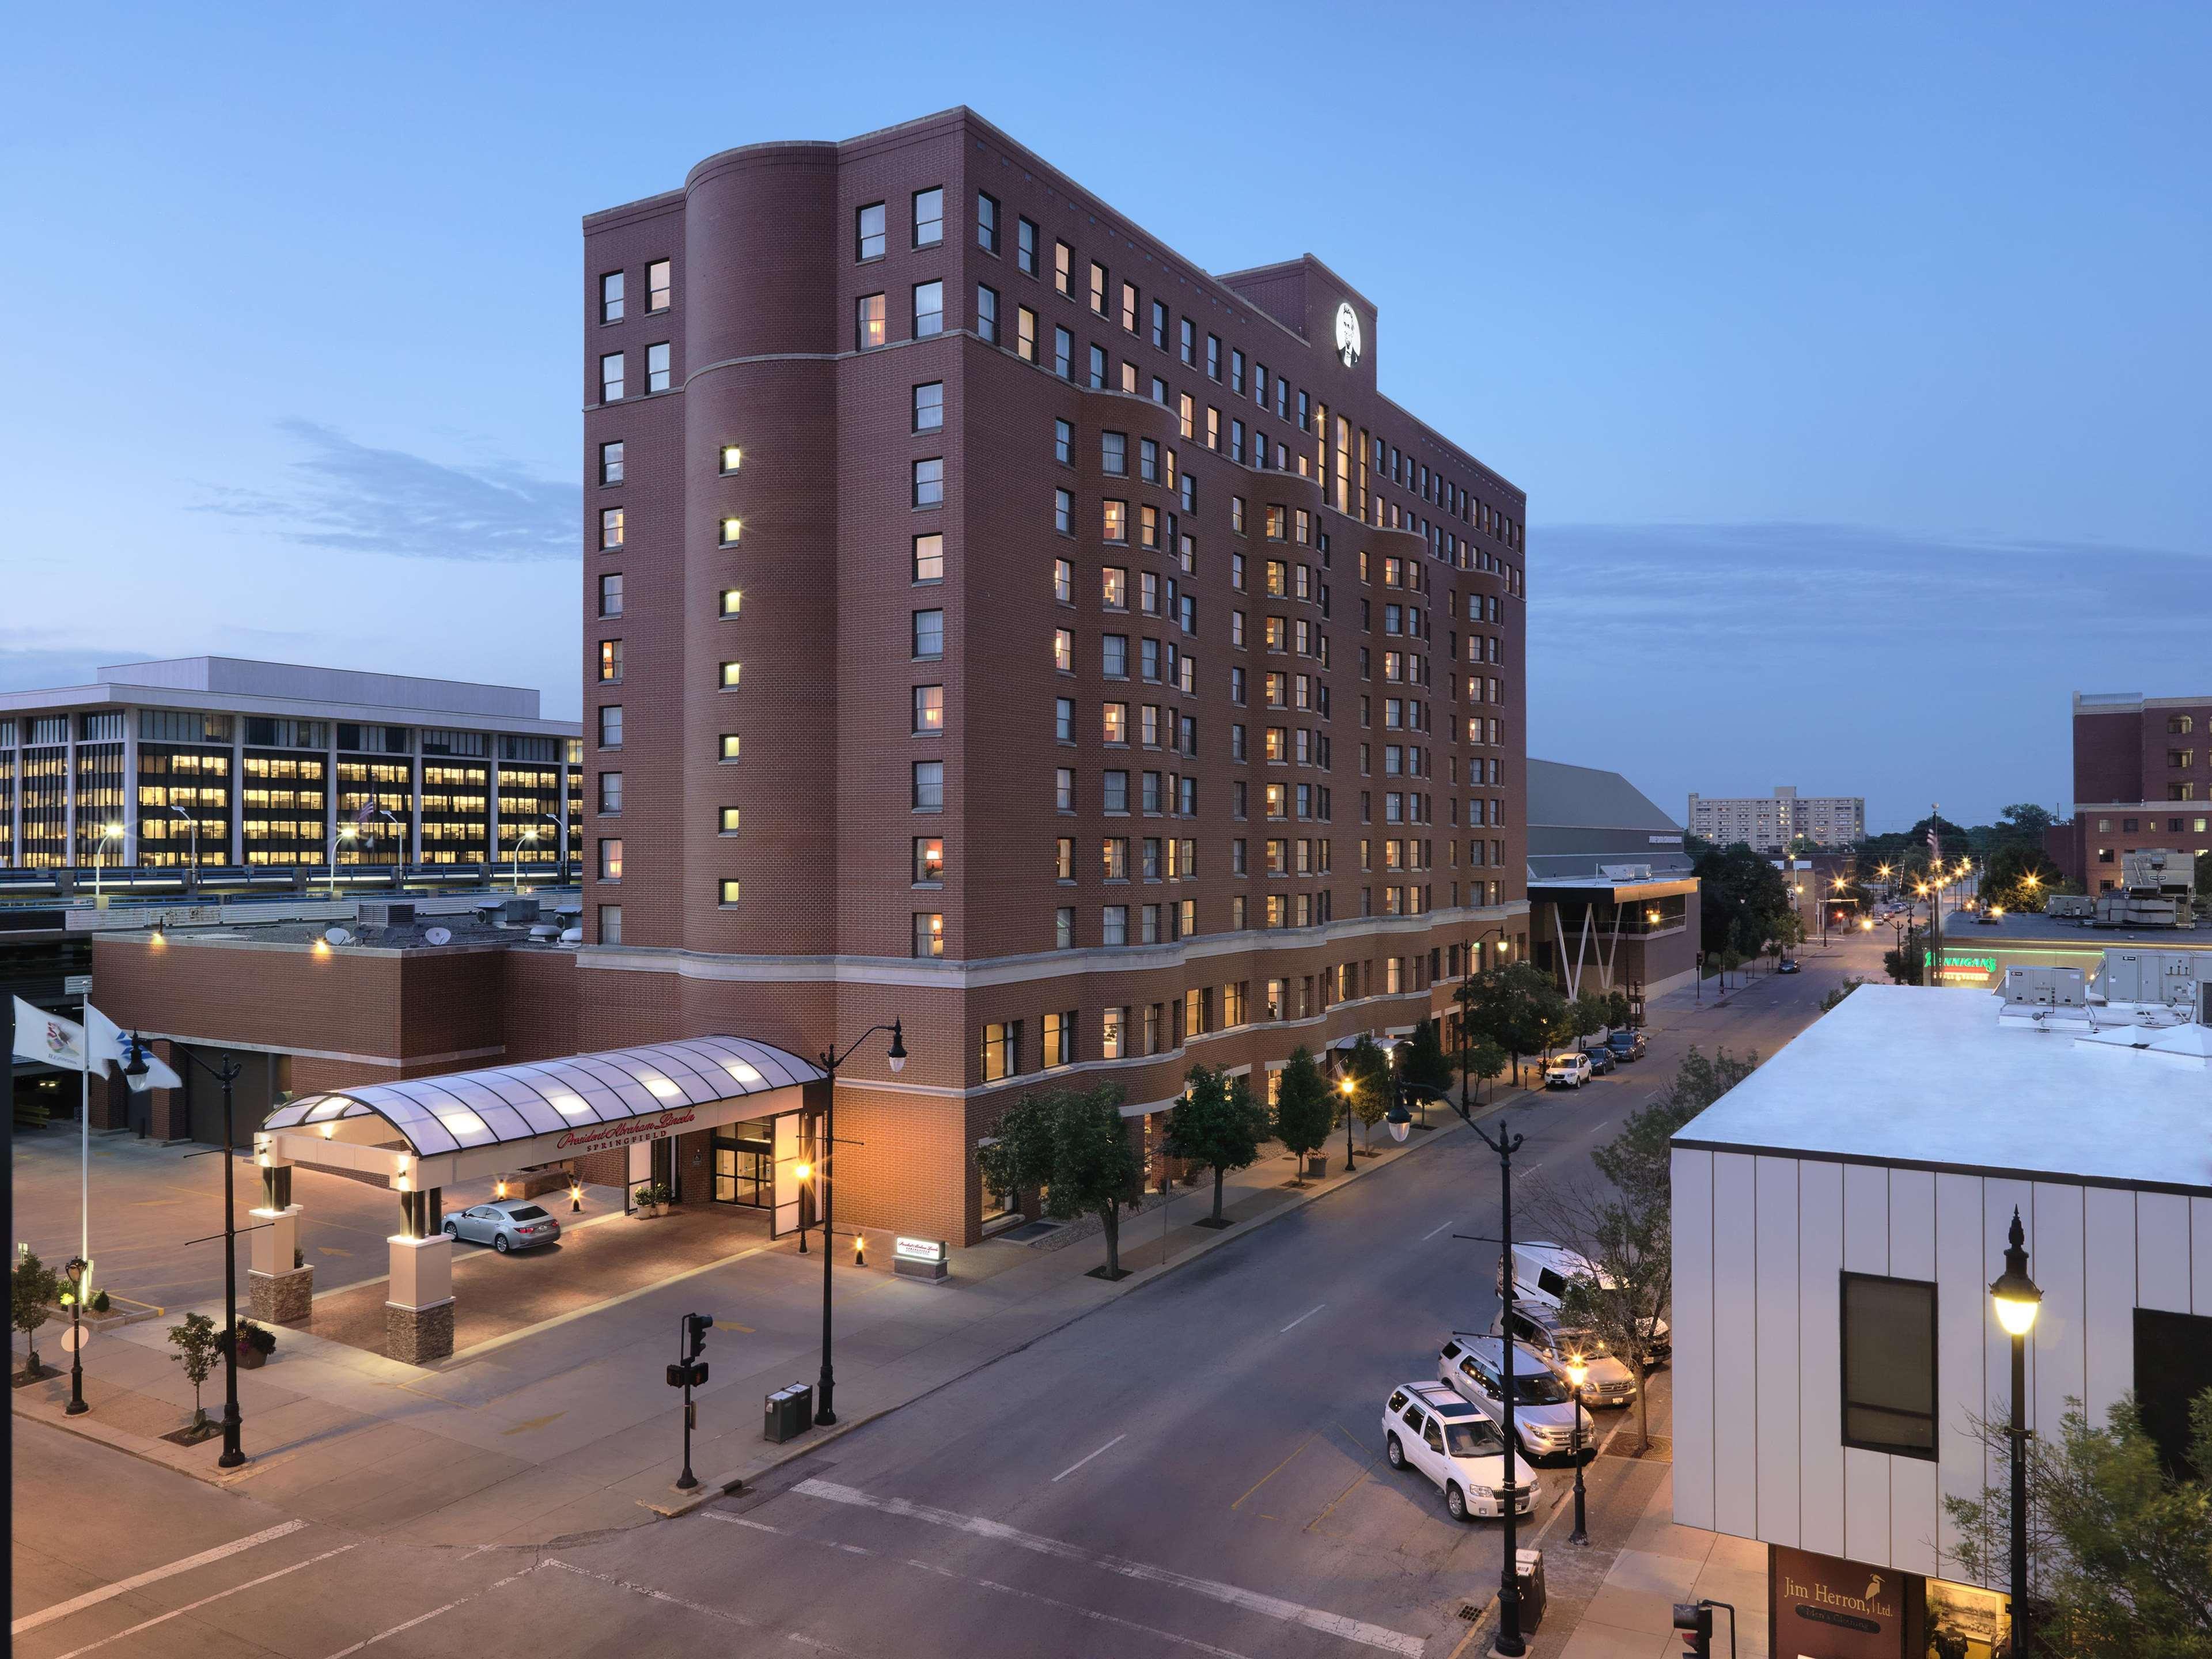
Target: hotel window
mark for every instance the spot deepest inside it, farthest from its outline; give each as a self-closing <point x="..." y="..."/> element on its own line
<point x="656" y="285"/>
<point x="1098" y="369"/>
<point x="1187" y="342"/>
<point x="611" y="297"/>
<point x="928" y="933"/>
<point x="1063" y="720"/>
<point x="610" y="528"/>
<point x="611" y="857"/>
<point x="1114" y="924"/>
<point x="732" y="675"/>
<point x="1063" y="511"/>
<point x="1889" y="1364"/>
<point x="1114" y="865"/>
<point x="610" y="378"/>
<point x="987" y="313"/>
<point x="1063" y="442"/>
<point x="928" y="309"/>
<point x="928" y="635"/>
<point x="610" y="793"/>
<point x="929" y="482"/>
<point x="732" y="530"/>
<point x="1113" y="523"/>
<point x="929" y="406"/>
<point x="732" y="821"/>
<point x="929" y="860"/>
<point x="610" y="726"/>
<point x="1063" y="581"/>
<point x="1025" y="246"/>
<point x="1063" y="353"/>
<point x="869" y="232"/>
<point x="1148" y="460"/>
<point x="1129" y="306"/>
<point x="611" y="924"/>
<point x="1236" y="440"/>
<point x="731" y="890"/>
<point x="611" y="595"/>
<point x="929" y="558"/>
<point x="1115" y="727"/>
<point x="1098" y="287"/>
<point x="1113" y="454"/>
<point x="656" y="367"/>
<point x="1063" y="650"/>
<point x="929" y="708"/>
<point x="1060" y="1039"/>
<point x="1212" y="356"/>
<point x="1112" y="1033"/>
<point x="1063" y="927"/>
<point x="733" y="599"/>
<point x="1237" y="372"/>
<point x="868" y="329"/>
<point x="1183" y="410"/>
<point x="928" y="218"/>
<point x="611" y="464"/>
<point x="1114" y="794"/>
<point x="929" y="786"/>
<point x="987" y="222"/>
<point x="1063" y="269"/>
<point x="610" y="662"/>
<point x="1114" y="656"/>
<point x="1213" y="428"/>
<point x="1025" y="334"/>
<point x="1063" y="789"/>
<point x="733" y="747"/>
<point x="1002" y="1045"/>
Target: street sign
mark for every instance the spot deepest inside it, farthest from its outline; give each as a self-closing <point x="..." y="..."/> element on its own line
<point x="77" y="985"/>
<point x="74" y="1338"/>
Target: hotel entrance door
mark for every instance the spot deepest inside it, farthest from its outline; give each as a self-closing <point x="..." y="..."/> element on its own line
<point x="744" y="1166"/>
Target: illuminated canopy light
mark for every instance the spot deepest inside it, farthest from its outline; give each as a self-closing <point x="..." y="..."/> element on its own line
<point x="662" y="1089"/>
<point x="570" y="1106"/>
<point x="462" y="1122"/>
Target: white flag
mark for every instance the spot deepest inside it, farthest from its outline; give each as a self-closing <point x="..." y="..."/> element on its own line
<point x="108" y="1043"/>
<point x="49" y="1038"/>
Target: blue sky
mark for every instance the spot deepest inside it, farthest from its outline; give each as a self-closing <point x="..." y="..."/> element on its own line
<point x="1854" y="360"/>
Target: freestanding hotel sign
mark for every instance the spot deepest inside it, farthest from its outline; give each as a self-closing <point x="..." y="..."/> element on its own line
<point x="920" y="1258"/>
<point x="1824" y="1608"/>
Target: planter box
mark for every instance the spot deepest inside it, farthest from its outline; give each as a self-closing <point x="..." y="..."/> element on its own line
<point x="251" y="1359"/>
<point x="1316" y="1166"/>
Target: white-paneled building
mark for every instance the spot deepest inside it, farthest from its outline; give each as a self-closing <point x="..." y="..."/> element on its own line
<point x="1853" y="1198"/>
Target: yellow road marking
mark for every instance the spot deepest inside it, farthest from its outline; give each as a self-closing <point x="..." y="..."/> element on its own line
<point x="1314" y="1525"/>
<point x="529" y="1423"/>
<point x="1273" y="1472"/>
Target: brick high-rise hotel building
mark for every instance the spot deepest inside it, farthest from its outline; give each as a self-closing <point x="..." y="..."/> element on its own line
<point x="996" y="620"/>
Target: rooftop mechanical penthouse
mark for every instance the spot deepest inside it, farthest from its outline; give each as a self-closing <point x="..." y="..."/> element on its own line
<point x="997" y="623"/>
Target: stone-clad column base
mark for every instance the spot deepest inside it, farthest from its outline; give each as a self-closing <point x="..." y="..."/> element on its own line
<point x="282" y="1298"/>
<point x="419" y="1335"/>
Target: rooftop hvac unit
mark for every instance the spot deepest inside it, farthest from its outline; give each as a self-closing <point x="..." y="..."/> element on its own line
<point x="2043" y="988"/>
<point x="2168" y="977"/>
<point x="384" y="913"/>
<point x="545" y="931"/>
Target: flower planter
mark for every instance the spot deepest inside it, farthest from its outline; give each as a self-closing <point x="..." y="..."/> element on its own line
<point x="252" y="1358"/>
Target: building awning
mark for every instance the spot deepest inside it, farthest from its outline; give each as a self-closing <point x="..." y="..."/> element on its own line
<point x="512" y="1116"/>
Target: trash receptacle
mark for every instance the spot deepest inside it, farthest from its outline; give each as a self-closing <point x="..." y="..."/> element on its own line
<point x="788" y="1412"/>
<point x="1528" y="1579"/>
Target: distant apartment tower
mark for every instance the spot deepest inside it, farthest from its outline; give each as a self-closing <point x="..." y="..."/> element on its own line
<point x="236" y="765"/>
<point x="2142" y="778"/>
<point x="1767" y="823"/>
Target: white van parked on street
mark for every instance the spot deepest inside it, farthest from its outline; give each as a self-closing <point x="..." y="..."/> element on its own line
<point x="1540" y="1273"/>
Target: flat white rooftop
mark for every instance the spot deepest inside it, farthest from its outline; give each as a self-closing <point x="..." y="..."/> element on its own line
<point x="239" y="684"/>
<point x="1924" y="1079"/>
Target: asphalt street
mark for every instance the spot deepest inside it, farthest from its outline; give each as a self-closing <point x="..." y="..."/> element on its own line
<point x="1196" y="1469"/>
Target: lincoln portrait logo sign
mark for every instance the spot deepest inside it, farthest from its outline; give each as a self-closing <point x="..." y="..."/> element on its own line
<point x="1347" y="333"/>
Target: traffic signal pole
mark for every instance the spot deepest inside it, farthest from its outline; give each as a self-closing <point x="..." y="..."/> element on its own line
<point x="688" y="1371"/>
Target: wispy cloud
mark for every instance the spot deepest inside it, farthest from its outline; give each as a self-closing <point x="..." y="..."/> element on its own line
<point x="347" y="497"/>
<point x="38" y="659"/>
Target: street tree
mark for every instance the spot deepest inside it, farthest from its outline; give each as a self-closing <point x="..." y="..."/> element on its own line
<point x="1367" y="1069"/>
<point x="1740" y="893"/>
<point x="1485" y="1061"/>
<point x="197" y="1345"/>
<point x="1220" y="1125"/>
<point x="2020" y="878"/>
<point x="1842" y="991"/>
<point x="1591" y="1013"/>
<point x="1618" y="1010"/>
<point x="1516" y="1006"/>
<point x="31" y="1288"/>
<point x="1907" y="964"/>
<point x="2119" y="1538"/>
<point x="1075" y="1146"/>
<point x="1637" y="1160"/>
<point x="1423" y="1062"/>
<point x="1304" y="1113"/>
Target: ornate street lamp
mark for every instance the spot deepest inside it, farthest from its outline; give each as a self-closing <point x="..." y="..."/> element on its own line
<point x="1577" y="1375"/>
<point x="2017" y="1300"/>
<point x="825" y="1390"/>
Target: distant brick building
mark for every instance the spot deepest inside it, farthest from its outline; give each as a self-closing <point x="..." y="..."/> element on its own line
<point x="1768" y="824"/>
<point x="2142" y="778"/>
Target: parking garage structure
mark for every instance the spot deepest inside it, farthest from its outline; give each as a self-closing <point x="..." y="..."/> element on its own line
<point x="421" y="1135"/>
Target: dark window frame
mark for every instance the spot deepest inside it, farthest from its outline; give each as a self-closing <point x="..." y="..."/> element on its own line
<point x="1928" y="1454"/>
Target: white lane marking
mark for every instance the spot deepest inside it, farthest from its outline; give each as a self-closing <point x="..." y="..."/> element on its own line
<point x="192" y="1606"/>
<point x="1302" y="1317"/>
<point x="1333" y="1624"/>
<point x="419" y="1619"/>
<point x="1092" y="1613"/>
<point x="1433" y="1231"/>
<point x="1080" y="1461"/>
<point x="153" y="1575"/>
<point x="651" y="1594"/>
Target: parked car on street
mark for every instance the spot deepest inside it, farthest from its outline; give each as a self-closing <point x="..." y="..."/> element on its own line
<point x="1627" y="1045"/>
<point x="1427" y="1427"/>
<point x="1543" y="1409"/>
<point x="509" y="1223"/>
<point x="1541" y="1331"/>
<point x="1540" y="1273"/>
<point x="1600" y="1059"/>
<point x="1568" y="1071"/>
<point x="1789" y="965"/>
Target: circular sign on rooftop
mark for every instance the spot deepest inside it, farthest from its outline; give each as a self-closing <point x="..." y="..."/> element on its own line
<point x="1347" y="333"/>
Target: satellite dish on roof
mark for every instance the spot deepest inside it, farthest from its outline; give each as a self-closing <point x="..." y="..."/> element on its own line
<point x="572" y="936"/>
<point x="337" y="936"/>
<point x="438" y="936"/>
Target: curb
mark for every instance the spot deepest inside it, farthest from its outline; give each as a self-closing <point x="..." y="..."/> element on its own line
<point x="725" y="1486"/>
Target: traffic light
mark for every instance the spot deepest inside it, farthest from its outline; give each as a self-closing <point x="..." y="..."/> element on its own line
<point x="695" y="1327"/>
<point x="1695" y="1621"/>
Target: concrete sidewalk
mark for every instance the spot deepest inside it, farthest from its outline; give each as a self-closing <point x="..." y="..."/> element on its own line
<point x="567" y="1426"/>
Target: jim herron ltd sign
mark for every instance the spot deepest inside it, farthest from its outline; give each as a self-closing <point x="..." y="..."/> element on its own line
<point x="626" y="1132"/>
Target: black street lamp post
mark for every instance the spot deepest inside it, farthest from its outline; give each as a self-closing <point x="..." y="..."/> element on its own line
<point x="1509" y="1642"/>
<point x="75" y="1270"/>
<point x="1577" y="1375"/>
<point x="2016" y="1300"/>
<point x="826" y="1389"/>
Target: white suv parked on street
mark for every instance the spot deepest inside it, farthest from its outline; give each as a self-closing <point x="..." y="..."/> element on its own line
<point x="1543" y="1409"/>
<point x="1428" y="1427"/>
<point x="1568" y="1071"/>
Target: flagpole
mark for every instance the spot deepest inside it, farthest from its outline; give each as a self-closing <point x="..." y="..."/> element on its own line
<point x="84" y="1141"/>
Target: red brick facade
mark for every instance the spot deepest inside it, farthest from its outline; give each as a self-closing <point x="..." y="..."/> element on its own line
<point x="2142" y="778"/>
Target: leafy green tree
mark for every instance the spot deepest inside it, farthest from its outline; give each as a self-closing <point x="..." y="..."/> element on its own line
<point x="1517" y="1007"/>
<point x="1304" y="1113"/>
<point x="2021" y="879"/>
<point x="31" y="1288"/>
<point x="1908" y="962"/>
<point x="1423" y="1062"/>
<point x="1219" y="1124"/>
<point x="1638" y="1160"/>
<point x="1587" y="1015"/>
<point x="1837" y="995"/>
<point x="2119" y="1546"/>
<point x="1367" y="1069"/>
<point x="1074" y="1145"/>
<point x="1618" y="1008"/>
<point x="198" y="1344"/>
<point x="1740" y="893"/>
<point x="1485" y="1061"/>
